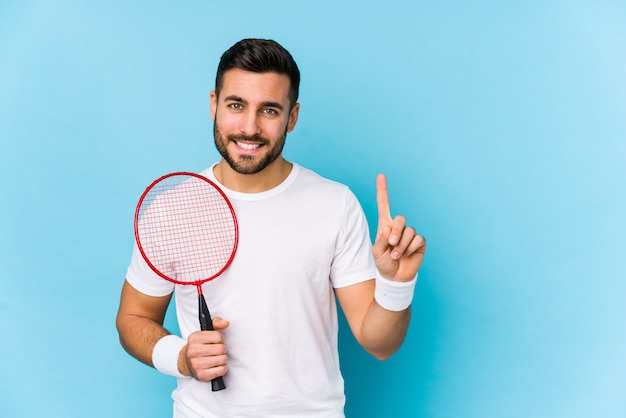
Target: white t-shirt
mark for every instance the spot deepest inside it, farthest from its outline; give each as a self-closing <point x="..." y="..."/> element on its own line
<point x="297" y="242"/>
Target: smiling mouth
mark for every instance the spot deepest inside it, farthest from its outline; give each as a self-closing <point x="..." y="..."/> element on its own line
<point x="247" y="145"/>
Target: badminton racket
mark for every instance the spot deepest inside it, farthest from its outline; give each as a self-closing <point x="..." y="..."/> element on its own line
<point x="186" y="231"/>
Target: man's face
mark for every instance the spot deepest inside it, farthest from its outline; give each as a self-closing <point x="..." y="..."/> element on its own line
<point x="252" y="118"/>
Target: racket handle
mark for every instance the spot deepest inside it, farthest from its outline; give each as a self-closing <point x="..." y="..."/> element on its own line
<point x="206" y="324"/>
<point x="217" y="384"/>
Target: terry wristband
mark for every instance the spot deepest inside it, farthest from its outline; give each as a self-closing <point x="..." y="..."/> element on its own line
<point x="165" y="355"/>
<point x="392" y="295"/>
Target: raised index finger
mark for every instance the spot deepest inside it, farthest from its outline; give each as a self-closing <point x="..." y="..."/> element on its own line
<point x="382" y="199"/>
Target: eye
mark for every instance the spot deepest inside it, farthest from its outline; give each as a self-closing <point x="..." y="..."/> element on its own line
<point x="270" y="111"/>
<point x="236" y="106"/>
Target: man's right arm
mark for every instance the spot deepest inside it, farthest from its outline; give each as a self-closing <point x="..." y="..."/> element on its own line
<point x="140" y="326"/>
<point x="140" y="322"/>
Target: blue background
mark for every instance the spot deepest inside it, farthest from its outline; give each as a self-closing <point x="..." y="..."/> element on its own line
<point x="501" y="127"/>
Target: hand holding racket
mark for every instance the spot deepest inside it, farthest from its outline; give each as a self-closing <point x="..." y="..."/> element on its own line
<point x="186" y="231"/>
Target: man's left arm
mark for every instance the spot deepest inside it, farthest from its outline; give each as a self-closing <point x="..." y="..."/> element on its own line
<point x="378" y="311"/>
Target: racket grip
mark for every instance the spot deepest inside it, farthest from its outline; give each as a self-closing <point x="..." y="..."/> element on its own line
<point x="206" y="324"/>
<point x="217" y="384"/>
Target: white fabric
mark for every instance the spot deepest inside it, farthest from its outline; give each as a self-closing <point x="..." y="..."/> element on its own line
<point x="392" y="295"/>
<point x="165" y="355"/>
<point x="297" y="242"/>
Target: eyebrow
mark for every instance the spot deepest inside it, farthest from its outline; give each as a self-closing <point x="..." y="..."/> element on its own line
<point x="234" y="98"/>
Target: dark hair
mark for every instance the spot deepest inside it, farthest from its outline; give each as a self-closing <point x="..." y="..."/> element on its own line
<point x="260" y="56"/>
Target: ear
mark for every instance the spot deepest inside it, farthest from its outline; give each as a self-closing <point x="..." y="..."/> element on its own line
<point x="293" y="117"/>
<point x="213" y="104"/>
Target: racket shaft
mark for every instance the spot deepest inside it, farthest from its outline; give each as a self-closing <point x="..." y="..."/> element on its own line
<point x="206" y="324"/>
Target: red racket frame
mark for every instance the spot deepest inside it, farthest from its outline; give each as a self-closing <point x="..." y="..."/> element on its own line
<point x="197" y="283"/>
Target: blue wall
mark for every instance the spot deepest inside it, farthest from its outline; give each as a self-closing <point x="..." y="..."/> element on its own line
<point x="501" y="127"/>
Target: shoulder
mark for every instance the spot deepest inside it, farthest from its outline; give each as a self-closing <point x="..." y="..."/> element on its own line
<point x="316" y="190"/>
<point x="310" y="179"/>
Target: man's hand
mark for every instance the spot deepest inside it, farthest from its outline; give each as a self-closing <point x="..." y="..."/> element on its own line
<point x="398" y="250"/>
<point x="204" y="357"/>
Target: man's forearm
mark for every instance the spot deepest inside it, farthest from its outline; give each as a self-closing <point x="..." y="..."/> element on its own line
<point x="383" y="331"/>
<point x="138" y="336"/>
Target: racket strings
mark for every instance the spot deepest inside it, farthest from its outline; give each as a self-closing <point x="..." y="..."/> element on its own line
<point x="187" y="229"/>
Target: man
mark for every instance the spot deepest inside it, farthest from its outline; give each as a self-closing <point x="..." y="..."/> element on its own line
<point x="303" y="242"/>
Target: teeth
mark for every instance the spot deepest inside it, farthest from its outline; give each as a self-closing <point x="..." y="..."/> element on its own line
<point x="248" y="146"/>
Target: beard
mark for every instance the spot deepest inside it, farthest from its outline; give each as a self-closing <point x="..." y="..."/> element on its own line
<point x="247" y="164"/>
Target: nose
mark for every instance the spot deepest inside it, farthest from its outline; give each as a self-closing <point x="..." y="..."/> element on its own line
<point x="249" y="124"/>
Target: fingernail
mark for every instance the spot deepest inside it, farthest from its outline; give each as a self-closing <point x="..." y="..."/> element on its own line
<point x="393" y="240"/>
<point x="395" y="255"/>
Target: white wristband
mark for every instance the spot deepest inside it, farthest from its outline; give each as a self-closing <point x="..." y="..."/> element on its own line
<point x="165" y="355"/>
<point x="392" y="295"/>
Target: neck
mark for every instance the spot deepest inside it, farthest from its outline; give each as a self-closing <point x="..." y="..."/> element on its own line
<point x="270" y="177"/>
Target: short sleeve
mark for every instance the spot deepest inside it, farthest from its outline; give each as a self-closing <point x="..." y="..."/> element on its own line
<point x="142" y="278"/>
<point x="353" y="262"/>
